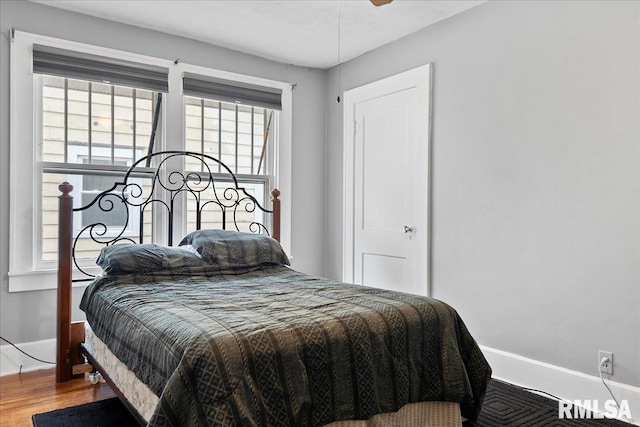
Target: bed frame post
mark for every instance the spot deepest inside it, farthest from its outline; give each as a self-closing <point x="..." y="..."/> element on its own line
<point x="275" y="206"/>
<point x="63" y="334"/>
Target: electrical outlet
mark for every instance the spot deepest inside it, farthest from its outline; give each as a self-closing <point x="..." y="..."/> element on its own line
<point x="605" y="368"/>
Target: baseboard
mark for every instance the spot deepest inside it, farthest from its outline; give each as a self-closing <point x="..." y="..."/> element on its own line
<point x="564" y="383"/>
<point x="11" y="359"/>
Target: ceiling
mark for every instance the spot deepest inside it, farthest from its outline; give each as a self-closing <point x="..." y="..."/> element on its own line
<point x="311" y="33"/>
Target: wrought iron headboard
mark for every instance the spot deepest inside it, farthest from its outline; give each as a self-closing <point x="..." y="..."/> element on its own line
<point x="167" y="182"/>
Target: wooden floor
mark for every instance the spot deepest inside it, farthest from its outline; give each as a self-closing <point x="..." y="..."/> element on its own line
<point x="22" y="395"/>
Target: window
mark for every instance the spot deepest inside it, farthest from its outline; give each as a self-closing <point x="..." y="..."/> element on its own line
<point x="84" y="114"/>
<point x="234" y="123"/>
<point x="104" y="128"/>
<point x="238" y="135"/>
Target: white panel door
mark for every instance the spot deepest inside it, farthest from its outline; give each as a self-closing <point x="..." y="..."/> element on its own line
<point x="387" y="191"/>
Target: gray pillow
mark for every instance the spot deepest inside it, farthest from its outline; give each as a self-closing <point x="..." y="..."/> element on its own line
<point x="130" y="258"/>
<point x="232" y="249"/>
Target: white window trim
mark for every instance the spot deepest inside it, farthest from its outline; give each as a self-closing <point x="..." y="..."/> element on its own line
<point x="24" y="175"/>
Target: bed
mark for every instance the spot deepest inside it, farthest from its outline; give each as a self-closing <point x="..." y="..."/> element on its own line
<point x="217" y="329"/>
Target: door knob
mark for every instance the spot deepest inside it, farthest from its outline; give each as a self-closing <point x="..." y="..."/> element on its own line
<point x="407" y="229"/>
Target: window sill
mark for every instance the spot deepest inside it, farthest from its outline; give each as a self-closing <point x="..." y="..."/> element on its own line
<point x="39" y="280"/>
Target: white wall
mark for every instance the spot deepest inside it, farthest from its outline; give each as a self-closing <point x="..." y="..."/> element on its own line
<point x="30" y="316"/>
<point x="536" y="200"/>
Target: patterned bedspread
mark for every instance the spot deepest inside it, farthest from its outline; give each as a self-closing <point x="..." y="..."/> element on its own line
<point x="275" y="347"/>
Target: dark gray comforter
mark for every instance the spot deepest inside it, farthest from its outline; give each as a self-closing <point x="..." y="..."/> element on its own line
<point x="275" y="347"/>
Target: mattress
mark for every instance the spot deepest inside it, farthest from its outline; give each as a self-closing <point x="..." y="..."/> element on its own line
<point x="134" y="390"/>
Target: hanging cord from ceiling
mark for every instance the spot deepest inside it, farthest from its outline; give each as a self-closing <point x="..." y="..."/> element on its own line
<point x="338" y="66"/>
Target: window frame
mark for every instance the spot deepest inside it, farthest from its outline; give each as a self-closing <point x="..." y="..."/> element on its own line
<point x="26" y="272"/>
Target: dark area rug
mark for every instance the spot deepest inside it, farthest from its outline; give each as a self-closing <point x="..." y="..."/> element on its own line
<point x="104" y="413"/>
<point x="504" y="405"/>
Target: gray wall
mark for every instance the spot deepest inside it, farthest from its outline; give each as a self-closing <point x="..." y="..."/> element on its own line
<point x="536" y="200"/>
<point x="30" y="316"/>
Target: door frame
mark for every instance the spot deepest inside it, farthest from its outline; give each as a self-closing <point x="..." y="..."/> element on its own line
<point x="420" y="78"/>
